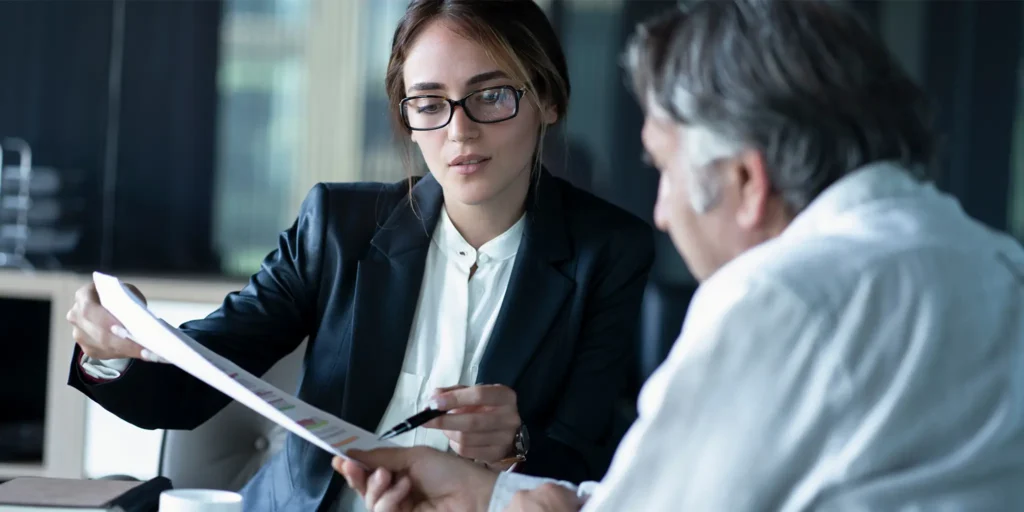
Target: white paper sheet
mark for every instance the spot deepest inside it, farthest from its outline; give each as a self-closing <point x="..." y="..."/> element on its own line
<point x="318" y="427"/>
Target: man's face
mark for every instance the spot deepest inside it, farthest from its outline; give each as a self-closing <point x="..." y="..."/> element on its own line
<point x="737" y="220"/>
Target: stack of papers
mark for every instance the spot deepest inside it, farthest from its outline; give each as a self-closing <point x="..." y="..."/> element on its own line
<point x="316" y="426"/>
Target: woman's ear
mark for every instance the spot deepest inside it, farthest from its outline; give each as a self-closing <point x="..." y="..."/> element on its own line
<point x="549" y="115"/>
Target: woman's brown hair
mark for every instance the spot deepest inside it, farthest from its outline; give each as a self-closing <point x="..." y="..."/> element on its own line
<point x="515" y="33"/>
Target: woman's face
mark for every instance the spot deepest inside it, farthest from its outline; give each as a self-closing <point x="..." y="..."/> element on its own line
<point x="477" y="164"/>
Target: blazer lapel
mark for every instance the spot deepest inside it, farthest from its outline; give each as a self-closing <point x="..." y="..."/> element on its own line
<point x="387" y="289"/>
<point x="537" y="289"/>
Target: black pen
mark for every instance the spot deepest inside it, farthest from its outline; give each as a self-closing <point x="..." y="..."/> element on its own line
<point x="412" y="422"/>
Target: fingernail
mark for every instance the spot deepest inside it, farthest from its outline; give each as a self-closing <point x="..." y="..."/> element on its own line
<point x="120" y="332"/>
<point x="436" y="403"/>
<point x="148" y="355"/>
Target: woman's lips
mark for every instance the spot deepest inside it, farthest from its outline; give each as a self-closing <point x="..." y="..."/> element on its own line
<point x="466" y="169"/>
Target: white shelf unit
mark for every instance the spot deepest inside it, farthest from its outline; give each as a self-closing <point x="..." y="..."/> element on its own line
<point x="81" y="439"/>
<point x="65" y="407"/>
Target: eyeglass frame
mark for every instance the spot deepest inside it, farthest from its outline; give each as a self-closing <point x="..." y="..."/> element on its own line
<point x="460" y="103"/>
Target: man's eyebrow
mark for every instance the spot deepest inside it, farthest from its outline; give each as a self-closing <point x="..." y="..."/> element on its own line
<point x="476" y="79"/>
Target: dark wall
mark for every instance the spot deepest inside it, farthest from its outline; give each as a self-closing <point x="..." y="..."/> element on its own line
<point x="973" y="54"/>
<point x="54" y="93"/>
<point x="125" y="92"/>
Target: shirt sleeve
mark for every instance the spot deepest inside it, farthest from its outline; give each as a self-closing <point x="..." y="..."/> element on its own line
<point x="509" y="484"/>
<point x="734" y="418"/>
<point x="104" y="369"/>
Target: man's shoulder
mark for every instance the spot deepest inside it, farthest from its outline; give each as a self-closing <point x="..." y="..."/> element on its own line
<point x="826" y="269"/>
<point x="806" y="269"/>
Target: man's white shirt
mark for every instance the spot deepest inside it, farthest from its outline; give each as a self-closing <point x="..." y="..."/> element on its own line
<point x="871" y="357"/>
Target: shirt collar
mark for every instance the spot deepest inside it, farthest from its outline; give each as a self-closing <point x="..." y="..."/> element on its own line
<point x="872" y="183"/>
<point x="502" y="247"/>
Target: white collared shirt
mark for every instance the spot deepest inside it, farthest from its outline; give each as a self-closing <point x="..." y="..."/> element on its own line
<point x="453" y="322"/>
<point x="869" y="358"/>
<point x="451" y="327"/>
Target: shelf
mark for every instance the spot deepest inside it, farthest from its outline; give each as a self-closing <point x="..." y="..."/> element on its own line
<point x="9" y="471"/>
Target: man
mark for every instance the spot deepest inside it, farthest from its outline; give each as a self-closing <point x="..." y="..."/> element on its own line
<point x="857" y="342"/>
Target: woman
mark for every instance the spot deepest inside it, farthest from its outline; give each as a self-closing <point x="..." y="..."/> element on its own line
<point x="488" y="286"/>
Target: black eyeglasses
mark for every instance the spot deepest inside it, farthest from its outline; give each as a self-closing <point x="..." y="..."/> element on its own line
<point x="490" y="105"/>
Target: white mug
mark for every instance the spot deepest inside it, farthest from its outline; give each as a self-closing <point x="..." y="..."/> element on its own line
<point x="200" y="500"/>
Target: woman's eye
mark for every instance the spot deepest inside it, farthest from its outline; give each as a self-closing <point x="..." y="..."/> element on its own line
<point x="429" y="109"/>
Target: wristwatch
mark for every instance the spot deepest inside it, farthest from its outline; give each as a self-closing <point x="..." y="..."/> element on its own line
<point x="522" y="442"/>
<point x="520" y="445"/>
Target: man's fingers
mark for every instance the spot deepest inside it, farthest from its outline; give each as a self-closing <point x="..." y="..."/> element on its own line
<point x="354" y="475"/>
<point x="495" y="420"/>
<point x="376" y="485"/>
<point x="392" y="459"/>
<point x="393" y="499"/>
<point x="486" y="394"/>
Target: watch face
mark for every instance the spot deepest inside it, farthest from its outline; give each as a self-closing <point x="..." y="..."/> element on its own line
<point x="523" y="440"/>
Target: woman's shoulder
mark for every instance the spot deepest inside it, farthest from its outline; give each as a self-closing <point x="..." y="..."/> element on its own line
<point x="351" y="212"/>
<point x="360" y="198"/>
<point x="357" y="193"/>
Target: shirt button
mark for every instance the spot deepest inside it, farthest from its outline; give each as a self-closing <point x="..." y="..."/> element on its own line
<point x="484" y="258"/>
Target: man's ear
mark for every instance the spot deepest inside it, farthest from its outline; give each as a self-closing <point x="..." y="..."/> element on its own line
<point x="754" y="189"/>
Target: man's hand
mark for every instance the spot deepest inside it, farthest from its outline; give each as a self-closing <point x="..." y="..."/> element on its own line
<point x="546" y="498"/>
<point x="418" y="479"/>
<point x="482" y="423"/>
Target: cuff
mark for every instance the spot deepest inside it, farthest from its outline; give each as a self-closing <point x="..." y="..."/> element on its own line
<point x="509" y="484"/>
<point x="104" y="369"/>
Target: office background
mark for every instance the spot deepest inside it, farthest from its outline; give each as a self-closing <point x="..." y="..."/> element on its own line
<point x="184" y="133"/>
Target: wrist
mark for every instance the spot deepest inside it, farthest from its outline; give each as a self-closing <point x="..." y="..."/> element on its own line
<point x="488" y="480"/>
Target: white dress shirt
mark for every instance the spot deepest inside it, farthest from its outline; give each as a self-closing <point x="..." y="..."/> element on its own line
<point x="453" y="322"/>
<point x="454" y="317"/>
<point x="869" y="358"/>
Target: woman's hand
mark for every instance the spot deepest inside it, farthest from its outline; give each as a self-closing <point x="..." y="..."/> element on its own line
<point x="98" y="333"/>
<point x="482" y="422"/>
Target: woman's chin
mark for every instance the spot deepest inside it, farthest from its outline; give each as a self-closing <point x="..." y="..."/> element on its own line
<point x="471" y="196"/>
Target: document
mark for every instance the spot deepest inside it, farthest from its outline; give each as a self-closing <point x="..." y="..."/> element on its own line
<point x="316" y="426"/>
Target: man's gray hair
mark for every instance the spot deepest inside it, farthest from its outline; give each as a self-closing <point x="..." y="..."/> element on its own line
<point x="804" y="82"/>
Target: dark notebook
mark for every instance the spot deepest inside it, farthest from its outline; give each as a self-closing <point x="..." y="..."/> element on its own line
<point x="33" y="494"/>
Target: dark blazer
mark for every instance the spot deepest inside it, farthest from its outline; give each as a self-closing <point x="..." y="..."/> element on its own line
<point x="347" y="274"/>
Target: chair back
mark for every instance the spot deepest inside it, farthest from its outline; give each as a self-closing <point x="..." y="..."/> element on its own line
<point x="226" y="451"/>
